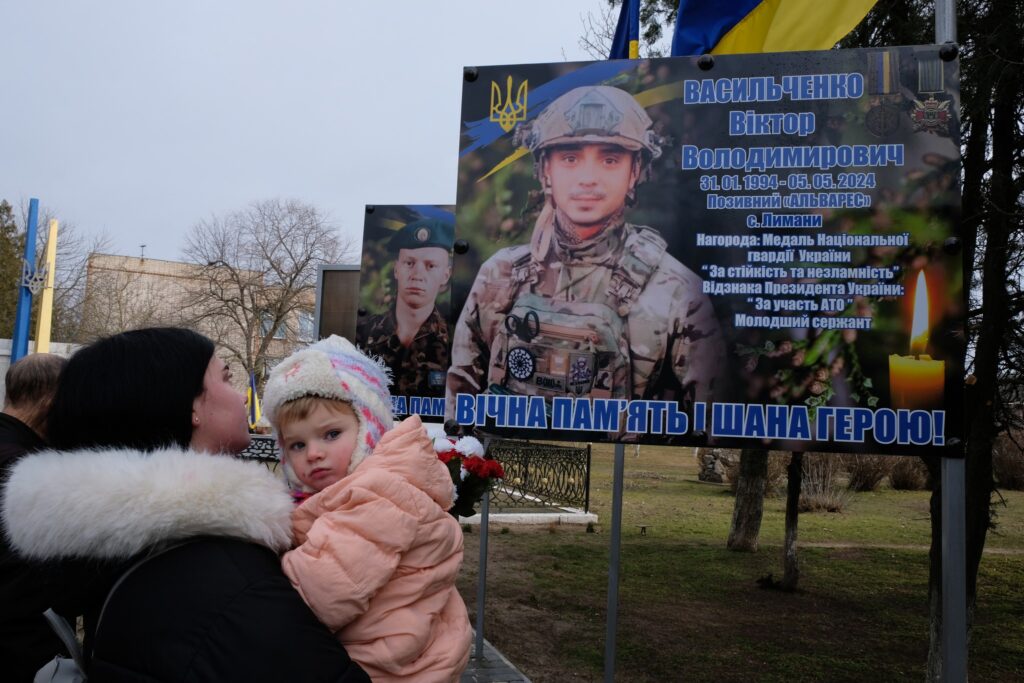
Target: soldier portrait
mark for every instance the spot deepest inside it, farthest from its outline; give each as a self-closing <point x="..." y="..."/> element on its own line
<point x="739" y="252"/>
<point x="411" y="333"/>
<point x="592" y="305"/>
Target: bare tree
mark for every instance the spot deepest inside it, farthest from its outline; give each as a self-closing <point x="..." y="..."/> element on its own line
<point x="256" y="272"/>
<point x="598" y="31"/>
<point x="73" y="249"/>
<point x="69" y="286"/>
<point x="655" y="17"/>
<point x="119" y="297"/>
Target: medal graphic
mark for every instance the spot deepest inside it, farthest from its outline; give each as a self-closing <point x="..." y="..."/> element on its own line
<point x="883" y="118"/>
<point x="930" y="114"/>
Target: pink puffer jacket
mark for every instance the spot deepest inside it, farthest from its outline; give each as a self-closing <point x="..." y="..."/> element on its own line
<point x="377" y="559"/>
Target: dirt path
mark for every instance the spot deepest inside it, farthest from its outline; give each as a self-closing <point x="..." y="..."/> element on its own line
<point x="897" y="546"/>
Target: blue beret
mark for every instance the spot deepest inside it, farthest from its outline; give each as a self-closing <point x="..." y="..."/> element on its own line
<point x="427" y="232"/>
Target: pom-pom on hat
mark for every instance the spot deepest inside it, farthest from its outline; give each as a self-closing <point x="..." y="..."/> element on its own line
<point x="334" y="368"/>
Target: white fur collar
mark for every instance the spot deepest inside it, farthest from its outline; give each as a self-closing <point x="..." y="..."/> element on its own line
<point x="115" y="503"/>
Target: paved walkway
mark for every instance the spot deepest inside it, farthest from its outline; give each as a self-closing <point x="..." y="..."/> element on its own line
<point x="492" y="667"/>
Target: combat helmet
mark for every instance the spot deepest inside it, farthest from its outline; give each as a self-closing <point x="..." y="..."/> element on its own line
<point x="592" y="114"/>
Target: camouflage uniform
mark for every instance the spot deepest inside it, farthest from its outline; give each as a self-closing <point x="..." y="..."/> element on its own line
<point x="669" y="326"/>
<point x="418" y="370"/>
<point x="611" y="316"/>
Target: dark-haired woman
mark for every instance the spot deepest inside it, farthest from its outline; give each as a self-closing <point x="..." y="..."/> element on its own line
<point x="140" y="420"/>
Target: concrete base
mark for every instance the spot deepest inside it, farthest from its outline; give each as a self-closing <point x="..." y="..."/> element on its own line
<point x="558" y="516"/>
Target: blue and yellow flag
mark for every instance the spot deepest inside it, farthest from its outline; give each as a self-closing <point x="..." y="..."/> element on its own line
<point x="252" y="402"/>
<point x="626" y="43"/>
<point x="746" y="26"/>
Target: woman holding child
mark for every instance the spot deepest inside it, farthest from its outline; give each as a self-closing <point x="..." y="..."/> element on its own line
<point x="138" y="423"/>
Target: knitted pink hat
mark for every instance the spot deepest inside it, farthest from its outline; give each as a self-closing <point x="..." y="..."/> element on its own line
<point x="333" y="368"/>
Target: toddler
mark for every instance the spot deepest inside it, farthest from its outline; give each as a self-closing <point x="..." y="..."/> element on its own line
<point x="376" y="553"/>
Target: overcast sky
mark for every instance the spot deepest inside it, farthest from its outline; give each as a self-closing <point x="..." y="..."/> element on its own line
<point x="136" y="119"/>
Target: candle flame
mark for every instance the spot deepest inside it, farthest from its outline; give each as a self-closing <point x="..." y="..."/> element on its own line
<point x="919" y="329"/>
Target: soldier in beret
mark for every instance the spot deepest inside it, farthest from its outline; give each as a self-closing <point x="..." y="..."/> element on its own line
<point x="412" y="337"/>
<point x="594" y="306"/>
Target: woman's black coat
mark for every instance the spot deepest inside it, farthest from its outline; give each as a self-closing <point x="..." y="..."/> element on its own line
<point x="210" y="604"/>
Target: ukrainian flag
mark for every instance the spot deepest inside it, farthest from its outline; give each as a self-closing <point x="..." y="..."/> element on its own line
<point x="626" y="43"/>
<point x="252" y="402"/>
<point x="745" y="26"/>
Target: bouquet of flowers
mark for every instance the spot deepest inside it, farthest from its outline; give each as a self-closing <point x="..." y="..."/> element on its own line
<point x="471" y="470"/>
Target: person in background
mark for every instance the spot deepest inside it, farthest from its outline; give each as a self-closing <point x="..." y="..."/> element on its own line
<point x="26" y="640"/>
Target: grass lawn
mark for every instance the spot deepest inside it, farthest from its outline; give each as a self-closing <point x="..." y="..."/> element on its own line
<point x="691" y="610"/>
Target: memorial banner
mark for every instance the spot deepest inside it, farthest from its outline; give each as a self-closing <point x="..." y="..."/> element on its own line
<point x="759" y="252"/>
<point x="404" y="297"/>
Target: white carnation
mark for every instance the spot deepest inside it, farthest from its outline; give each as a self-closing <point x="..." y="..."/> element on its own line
<point x="469" y="445"/>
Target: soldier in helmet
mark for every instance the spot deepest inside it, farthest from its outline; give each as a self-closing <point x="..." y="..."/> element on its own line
<point x="412" y="337"/>
<point x="592" y="306"/>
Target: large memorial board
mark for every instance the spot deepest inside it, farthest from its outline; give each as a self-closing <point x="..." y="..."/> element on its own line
<point x="759" y="253"/>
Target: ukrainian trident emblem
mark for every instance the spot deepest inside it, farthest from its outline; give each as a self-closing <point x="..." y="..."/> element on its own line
<point x="508" y="113"/>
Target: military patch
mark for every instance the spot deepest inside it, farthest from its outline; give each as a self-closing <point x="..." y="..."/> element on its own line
<point x="581" y="373"/>
<point x="436" y="378"/>
<point x="521" y="364"/>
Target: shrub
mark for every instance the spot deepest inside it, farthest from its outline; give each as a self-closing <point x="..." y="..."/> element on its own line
<point x="908" y="474"/>
<point x="866" y="472"/>
<point x="821" y="490"/>
<point x="1008" y="463"/>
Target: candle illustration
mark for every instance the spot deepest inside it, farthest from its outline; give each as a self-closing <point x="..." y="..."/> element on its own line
<point x="916" y="381"/>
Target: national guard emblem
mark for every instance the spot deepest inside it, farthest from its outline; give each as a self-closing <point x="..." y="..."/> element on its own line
<point x="931" y="116"/>
<point x="510" y="112"/>
<point x="581" y="373"/>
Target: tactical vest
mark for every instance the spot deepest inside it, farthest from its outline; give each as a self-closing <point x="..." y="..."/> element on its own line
<point x="553" y="348"/>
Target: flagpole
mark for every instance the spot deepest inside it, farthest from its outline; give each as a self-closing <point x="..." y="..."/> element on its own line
<point x="43" y="326"/>
<point x="19" y="340"/>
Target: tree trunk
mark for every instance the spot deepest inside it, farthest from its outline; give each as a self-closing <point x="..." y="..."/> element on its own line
<point x="791" y="565"/>
<point x="748" y="509"/>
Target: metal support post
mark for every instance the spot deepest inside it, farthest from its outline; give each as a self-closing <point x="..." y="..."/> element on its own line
<point x="481" y="580"/>
<point x="954" y="571"/>
<point x="613" y="564"/>
<point x="954" y="494"/>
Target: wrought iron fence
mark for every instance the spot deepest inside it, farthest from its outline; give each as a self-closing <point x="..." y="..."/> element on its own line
<point x="262" y="449"/>
<point x="536" y="475"/>
<point x="541" y="475"/>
